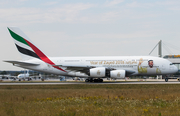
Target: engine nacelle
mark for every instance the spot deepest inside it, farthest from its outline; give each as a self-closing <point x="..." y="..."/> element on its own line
<point x="98" y="72"/>
<point x="118" y="74"/>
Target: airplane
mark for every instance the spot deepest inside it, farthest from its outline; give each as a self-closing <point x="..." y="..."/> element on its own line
<point x="24" y="76"/>
<point x="94" y="69"/>
<point x="7" y="77"/>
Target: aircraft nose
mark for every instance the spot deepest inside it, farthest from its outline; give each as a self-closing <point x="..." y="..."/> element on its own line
<point x="175" y="69"/>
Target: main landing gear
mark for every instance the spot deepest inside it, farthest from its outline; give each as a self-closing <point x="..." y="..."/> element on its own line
<point x="166" y="79"/>
<point x="94" y="80"/>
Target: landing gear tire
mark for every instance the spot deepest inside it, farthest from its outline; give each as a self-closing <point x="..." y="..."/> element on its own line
<point x="91" y="80"/>
<point x="19" y="79"/>
<point x="166" y="79"/>
<point x="87" y="80"/>
<point x="100" y="80"/>
<point x="95" y="80"/>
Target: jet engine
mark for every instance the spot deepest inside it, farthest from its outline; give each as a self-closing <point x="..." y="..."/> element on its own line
<point x="97" y="72"/>
<point x="118" y="74"/>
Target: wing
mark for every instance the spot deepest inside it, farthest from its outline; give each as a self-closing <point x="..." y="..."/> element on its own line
<point x="85" y="69"/>
<point x="82" y="69"/>
<point x="22" y="63"/>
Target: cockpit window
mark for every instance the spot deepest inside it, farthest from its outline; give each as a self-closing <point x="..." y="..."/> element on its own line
<point x="171" y="64"/>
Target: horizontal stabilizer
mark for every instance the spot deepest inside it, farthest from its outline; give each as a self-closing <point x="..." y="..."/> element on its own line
<point x="22" y="63"/>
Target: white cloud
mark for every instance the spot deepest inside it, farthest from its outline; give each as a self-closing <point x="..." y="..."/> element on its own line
<point x="67" y="13"/>
<point x="113" y="2"/>
<point x="114" y="36"/>
<point x="177" y="8"/>
<point x="140" y="5"/>
<point x="172" y="5"/>
<point x="106" y="17"/>
<point x="11" y="2"/>
<point x="168" y="2"/>
<point x="50" y="3"/>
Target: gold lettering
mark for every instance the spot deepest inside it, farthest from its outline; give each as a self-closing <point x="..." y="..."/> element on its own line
<point x="93" y="63"/>
<point x="100" y="62"/>
<point x="119" y="62"/>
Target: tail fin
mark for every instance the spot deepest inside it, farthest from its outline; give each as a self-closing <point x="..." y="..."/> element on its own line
<point x="26" y="48"/>
<point x="27" y="72"/>
<point x="21" y="41"/>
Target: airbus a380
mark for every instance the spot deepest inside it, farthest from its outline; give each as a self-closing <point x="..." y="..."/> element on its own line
<point x="94" y="69"/>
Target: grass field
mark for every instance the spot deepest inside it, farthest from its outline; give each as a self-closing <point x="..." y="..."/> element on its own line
<point x="88" y="100"/>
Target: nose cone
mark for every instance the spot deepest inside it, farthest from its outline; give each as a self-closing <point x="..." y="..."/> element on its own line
<point x="18" y="76"/>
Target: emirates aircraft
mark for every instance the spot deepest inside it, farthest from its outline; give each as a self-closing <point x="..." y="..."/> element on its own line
<point x="94" y="69"/>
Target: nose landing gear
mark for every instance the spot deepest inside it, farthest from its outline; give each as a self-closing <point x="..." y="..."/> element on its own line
<point x="166" y="79"/>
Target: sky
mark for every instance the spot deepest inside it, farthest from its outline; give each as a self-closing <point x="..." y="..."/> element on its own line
<point x="90" y="28"/>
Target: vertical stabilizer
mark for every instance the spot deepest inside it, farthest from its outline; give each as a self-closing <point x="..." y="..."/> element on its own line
<point x="22" y="43"/>
<point x="26" y="47"/>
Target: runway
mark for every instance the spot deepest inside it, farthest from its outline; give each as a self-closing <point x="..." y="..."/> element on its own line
<point x="70" y="83"/>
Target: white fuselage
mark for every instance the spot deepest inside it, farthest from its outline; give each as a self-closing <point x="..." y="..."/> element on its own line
<point x="23" y="76"/>
<point x="138" y="64"/>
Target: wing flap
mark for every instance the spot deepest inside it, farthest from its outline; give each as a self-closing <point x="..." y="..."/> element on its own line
<point x="22" y="63"/>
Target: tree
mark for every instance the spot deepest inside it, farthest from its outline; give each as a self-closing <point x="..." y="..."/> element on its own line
<point x="3" y="72"/>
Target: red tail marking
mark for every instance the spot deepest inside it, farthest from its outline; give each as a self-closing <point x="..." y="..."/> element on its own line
<point x="42" y="56"/>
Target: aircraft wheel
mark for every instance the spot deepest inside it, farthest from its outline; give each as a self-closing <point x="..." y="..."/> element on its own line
<point x="166" y="79"/>
<point x="101" y="80"/>
<point x="91" y="80"/>
<point x="87" y="80"/>
<point x="96" y="80"/>
<point x="19" y="79"/>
